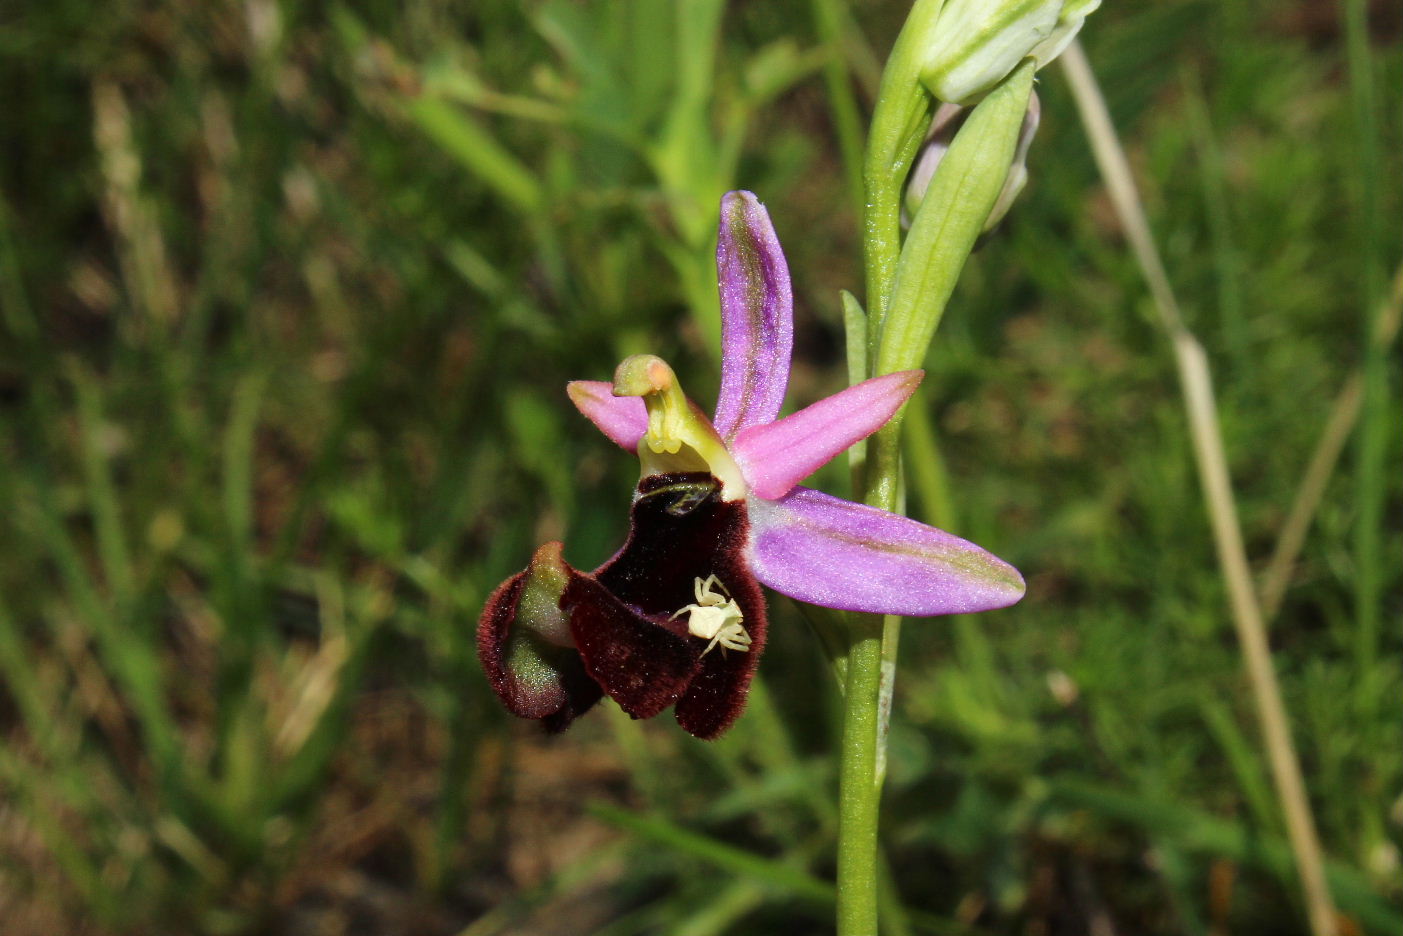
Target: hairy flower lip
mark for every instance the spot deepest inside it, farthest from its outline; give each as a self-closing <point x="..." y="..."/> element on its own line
<point x="682" y="528"/>
<point x="626" y="640"/>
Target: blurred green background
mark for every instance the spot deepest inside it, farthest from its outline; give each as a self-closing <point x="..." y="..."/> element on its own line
<point x="288" y="297"/>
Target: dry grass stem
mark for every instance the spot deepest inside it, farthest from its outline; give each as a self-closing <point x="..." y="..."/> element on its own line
<point x="1197" y="387"/>
<point x="143" y="251"/>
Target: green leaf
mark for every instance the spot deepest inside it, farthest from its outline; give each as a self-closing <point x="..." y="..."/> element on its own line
<point x="466" y="140"/>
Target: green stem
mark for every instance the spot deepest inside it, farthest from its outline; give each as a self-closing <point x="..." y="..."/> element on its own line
<point x="1372" y="454"/>
<point x="859" y="792"/>
<point x="900" y="120"/>
<point x="907" y="288"/>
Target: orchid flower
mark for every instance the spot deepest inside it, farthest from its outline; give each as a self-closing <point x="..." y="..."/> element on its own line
<point x="677" y="616"/>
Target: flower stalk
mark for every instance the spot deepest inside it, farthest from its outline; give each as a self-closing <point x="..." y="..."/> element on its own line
<point x="908" y="287"/>
<point x="859" y="787"/>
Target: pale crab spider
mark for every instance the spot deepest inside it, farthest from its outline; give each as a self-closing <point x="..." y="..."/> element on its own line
<point x="716" y="617"/>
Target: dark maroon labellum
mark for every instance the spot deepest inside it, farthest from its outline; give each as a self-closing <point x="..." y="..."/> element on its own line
<point x="683" y="531"/>
<point x="629" y="639"/>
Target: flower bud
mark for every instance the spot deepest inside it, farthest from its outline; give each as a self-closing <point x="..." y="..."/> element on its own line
<point x="947" y="122"/>
<point x="978" y="42"/>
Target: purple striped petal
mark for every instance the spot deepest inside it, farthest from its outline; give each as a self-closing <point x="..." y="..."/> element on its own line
<point x="623" y="419"/>
<point x="757" y="316"/>
<point x="776" y="456"/>
<point x="832" y="552"/>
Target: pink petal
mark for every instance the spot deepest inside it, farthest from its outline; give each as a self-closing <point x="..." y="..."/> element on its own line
<point x="833" y="552"/>
<point x="775" y="457"/>
<point x="623" y="419"/>
<point x="757" y="316"/>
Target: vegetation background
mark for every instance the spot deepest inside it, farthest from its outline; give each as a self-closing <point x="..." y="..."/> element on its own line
<point x="288" y="296"/>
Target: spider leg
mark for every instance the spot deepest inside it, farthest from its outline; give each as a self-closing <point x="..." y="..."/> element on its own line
<point x="704" y="588"/>
<point x="739" y="638"/>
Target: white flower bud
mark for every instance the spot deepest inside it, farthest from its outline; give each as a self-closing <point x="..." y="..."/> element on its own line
<point x="978" y="42"/>
<point x="947" y="122"/>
